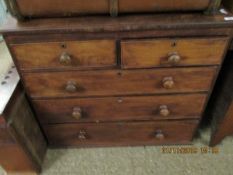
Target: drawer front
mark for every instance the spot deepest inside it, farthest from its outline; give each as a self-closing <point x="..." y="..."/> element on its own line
<point x="67" y="54"/>
<point x="176" y="52"/>
<point x="119" y="108"/>
<point x="114" y="82"/>
<point x="110" y="134"/>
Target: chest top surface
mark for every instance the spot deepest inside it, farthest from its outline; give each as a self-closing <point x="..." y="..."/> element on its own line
<point x="119" y="24"/>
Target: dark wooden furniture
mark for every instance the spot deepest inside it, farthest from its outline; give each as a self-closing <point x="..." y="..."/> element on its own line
<point x="228" y="4"/>
<point x="221" y="106"/>
<point x="131" y="80"/>
<point x="22" y="144"/>
<point x="48" y="8"/>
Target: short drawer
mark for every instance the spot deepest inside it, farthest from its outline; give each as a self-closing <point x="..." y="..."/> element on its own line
<point x="119" y="108"/>
<point x="65" y="55"/>
<point x="118" y="82"/>
<point x="172" y="52"/>
<point x="119" y="134"/>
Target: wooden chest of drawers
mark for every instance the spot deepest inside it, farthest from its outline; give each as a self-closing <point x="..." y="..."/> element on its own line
<point x="136" y="80"/>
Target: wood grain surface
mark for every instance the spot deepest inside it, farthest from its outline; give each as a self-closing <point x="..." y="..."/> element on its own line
<point x="44" y="8"/>
<point x="22" y="143"/>
<point x="119" y="108"/>
<point x="119" y="134"/>
<point x="5" y="136"/>
<point x="81" y="54"/>
<point x="156" y="25"/>
<point x="118" y="82"/>
<point x="14" y="159"/>
<point x="156" y="52"/>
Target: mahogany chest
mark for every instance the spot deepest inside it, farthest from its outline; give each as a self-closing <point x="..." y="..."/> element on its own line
<point x="131" y="80"/>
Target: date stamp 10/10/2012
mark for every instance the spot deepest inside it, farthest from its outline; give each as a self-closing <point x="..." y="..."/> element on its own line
<point x="189" y="150"/>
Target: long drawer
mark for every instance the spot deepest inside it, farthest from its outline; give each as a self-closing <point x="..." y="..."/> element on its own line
<point x="118" y="82"/>
<point x="120" y="108"/>
<point x="65" y="54"/>
<point x="172" y="52"/>
<point x="116" y="134"/>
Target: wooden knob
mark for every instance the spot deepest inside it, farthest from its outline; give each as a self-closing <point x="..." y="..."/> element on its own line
<point x="82" y="135"/>
<point x="71" y="87"/>
<point x="174" y="58"/>
<point x="159" y="135"/>
<point x="168" y="82"/>
<point x="65" y="58"/>
<point x="77" y="113"/>
<point x="164" y="111"/>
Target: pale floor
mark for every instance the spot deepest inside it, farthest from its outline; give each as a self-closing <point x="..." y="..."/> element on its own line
<point x="134" y="160"/>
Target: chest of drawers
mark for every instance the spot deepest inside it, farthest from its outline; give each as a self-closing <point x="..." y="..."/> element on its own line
<point x="134" y="80"/>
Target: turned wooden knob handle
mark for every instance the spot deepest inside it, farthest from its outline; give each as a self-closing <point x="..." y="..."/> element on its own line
<point x="168" y="82"/>
<point x="174" y="58"/>
<point x="65" y="58"/>
<point x="164" y="111"/>
<point x="77" y="113"/>
<point x="82" y="135"/>
<point x="71" y="86"/>
<point x="159" y="135"/>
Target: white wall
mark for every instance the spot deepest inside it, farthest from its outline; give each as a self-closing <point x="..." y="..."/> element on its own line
<point x="2" y="13"/>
